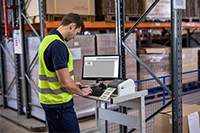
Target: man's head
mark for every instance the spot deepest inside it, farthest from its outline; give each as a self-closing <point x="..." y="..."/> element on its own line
<point x="72" y="25"/>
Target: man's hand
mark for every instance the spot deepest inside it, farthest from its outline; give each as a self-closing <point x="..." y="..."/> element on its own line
<point x="78" y="84"/>
<point x="86" y="91"/>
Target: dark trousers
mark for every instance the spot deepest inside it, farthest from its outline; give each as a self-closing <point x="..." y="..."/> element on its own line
<point x="61" y="120"/>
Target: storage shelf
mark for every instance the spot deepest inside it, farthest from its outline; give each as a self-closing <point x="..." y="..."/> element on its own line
<point x="111" y="25"/>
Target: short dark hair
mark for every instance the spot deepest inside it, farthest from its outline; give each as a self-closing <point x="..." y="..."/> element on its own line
<point x="73" y="18"/>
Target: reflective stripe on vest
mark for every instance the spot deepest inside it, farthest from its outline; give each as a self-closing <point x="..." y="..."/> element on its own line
<point x="53" y="79"/>
<point x="50" y="91"/>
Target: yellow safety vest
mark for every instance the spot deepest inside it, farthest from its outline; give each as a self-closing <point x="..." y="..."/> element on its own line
<point x="49" y="87"/>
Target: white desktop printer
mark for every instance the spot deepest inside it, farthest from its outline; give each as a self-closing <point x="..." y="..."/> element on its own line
<point x="123" y="86"/>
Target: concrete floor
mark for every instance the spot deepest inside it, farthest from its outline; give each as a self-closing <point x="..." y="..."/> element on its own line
<point x="8" y="126"/>
<point x="10" y="122"/>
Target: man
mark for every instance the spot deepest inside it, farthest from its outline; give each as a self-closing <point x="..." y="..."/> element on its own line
<point x="56" y="79"/>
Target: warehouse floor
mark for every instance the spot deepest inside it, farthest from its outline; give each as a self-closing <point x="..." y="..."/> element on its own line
<point x="13" y="123"/>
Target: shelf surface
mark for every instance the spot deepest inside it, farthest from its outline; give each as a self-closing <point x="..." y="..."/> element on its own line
<point x="112" y="25"/>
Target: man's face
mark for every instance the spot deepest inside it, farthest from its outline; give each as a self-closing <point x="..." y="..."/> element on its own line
<point x="72" y="34"/>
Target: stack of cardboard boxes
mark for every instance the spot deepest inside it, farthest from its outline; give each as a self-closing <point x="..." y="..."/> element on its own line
<point x="137" y="7"/>
<point x="101" y="8"/>
<point x="158" y="59"/>
<point x="105" y="9"/>
<point x="192" y="9"/>
<point x="163" y="121"/>
<point x="134" y="8"/>
<point x="161" y="12"/>
<point x="189" y="63"/>
<point x="10" y="74"/>
<point x="60" y="8"/>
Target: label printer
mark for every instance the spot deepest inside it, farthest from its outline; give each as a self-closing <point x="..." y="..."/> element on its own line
<point x="123" y="86"/>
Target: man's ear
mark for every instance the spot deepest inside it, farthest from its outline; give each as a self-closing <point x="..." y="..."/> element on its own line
<point x="72" y="26"/>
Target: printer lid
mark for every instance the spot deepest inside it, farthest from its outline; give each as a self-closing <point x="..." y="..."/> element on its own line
<point x="115" y="82"/>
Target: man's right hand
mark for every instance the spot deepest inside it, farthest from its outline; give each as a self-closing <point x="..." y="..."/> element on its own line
<point x="86" y="91"/>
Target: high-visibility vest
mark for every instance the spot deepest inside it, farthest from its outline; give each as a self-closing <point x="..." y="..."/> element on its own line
<point x="49" y="88"/>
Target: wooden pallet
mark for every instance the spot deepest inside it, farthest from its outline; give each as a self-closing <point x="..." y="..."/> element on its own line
<point x="195" y="83"/>
<point x="132" y="18"/>
<point x="59" y="17"/>
<point x="34" y="19"/>
<point x="110" y="17"/>
<point x="190" y="19"/>
<point x="157" y="20"/>
<point x="88" y="18"/>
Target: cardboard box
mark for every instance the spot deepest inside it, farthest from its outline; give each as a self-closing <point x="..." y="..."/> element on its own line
<point x="106" y="8"/>
<point x="62" y="7"/>
<point x="163" y="121"/>
<point x="106" y="45"/>
<point x="137" y="7"/>
<point x="161" y="12"/>
<point x="192" y="9"/>
<point x="103" y="7"/>
<point x="189" y="63"/>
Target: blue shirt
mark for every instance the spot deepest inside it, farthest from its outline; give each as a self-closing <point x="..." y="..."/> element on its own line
<point x="56" y="57"/>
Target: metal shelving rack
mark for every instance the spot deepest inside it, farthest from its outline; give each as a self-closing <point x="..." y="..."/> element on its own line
<point x="24" y="77"/>
<point x="176" y="43"/>
<point x="26" y="67"/>
<point x="176" y="28"/>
